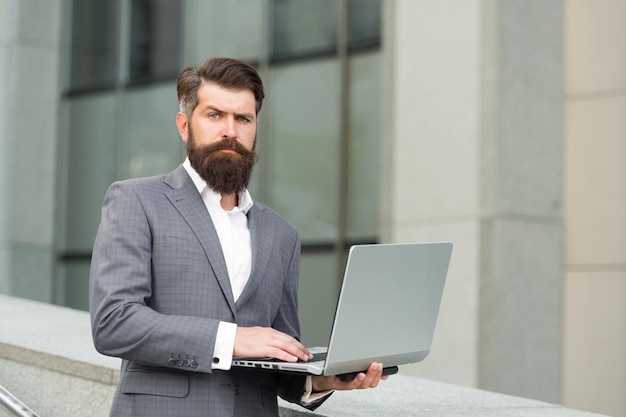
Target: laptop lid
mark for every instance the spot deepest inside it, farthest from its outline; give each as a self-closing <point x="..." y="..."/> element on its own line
<point x="388" y="305"/>
<point x="386" y="311"/>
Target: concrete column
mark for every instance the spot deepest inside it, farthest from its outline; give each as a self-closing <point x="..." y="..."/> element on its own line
<point x="473" y="113"/>
<point x="30" y="42"/>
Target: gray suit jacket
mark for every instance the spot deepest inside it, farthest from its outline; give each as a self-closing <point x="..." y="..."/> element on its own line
<point x="159" y="287"/>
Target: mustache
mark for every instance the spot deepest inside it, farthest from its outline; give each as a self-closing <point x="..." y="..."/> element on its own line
<point x="226" y="144"/>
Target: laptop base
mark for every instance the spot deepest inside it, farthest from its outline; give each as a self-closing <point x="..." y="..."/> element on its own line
<point x="391" y="370"/>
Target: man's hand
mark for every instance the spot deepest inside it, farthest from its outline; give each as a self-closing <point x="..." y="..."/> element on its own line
<point x="255" y="342"/>
<point x="370" y="379"/>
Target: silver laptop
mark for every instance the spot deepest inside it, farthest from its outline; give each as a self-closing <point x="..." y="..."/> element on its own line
<point x="386" y="312"/>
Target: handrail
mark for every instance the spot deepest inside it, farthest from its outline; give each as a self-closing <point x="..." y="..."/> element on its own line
<point x="13" y="405"/>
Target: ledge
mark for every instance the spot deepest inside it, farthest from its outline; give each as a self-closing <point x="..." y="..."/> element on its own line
<point x="47" y="340"/>
<point x="53" y="338"/>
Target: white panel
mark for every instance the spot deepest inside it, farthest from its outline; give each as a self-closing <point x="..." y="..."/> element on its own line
<point x="436" y="110"/>
<point x="455" y="346"/>
<point x="34" y="134"/>
<point x="39" y="22"/>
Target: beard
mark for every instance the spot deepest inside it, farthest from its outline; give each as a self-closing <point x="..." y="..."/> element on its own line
<point x="224" y="172"/>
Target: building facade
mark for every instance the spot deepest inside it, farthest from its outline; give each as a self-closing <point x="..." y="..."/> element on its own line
<point x="498" y="125"/>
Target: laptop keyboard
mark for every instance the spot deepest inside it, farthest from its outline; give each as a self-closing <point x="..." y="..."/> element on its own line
<point x="317" y="357"/>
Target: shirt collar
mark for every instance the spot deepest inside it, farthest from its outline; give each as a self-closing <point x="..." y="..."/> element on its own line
<point x="245" y="199"/>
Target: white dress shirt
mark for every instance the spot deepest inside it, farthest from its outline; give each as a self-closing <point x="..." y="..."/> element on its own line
<point x="234" y="235"/>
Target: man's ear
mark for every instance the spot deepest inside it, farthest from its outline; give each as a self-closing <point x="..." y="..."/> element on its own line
<point x="182" y="122"/>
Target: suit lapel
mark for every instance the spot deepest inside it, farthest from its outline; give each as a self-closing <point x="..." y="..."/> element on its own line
<point x="185" y="198"/>
<point x="262" y="235"/>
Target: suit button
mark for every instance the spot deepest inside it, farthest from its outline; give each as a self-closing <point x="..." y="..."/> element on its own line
<point x="172" y="361"/>
<point x="216" y="360"/>
<point x="237" y="390"/>
<point x="193" y="363"/>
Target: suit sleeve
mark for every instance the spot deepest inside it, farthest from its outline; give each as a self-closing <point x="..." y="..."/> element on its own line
<point x="123" y="324"/>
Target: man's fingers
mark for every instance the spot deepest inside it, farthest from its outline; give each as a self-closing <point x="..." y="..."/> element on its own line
<point x="265" y="341"/>
<point x="289" y="349"/>
<point x="294" y="347"/>
<point x="362" y="380"/>
<point x="371" y="378"/>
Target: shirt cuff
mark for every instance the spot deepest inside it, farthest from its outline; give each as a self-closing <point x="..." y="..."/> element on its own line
<point x="309" y="397"/>
<point x="224" y="345"/>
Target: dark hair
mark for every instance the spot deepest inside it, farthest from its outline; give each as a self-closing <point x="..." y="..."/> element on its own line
<point x="226" y="72"/>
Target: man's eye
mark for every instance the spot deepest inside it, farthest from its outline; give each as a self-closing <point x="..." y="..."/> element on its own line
<point x="214" y="116"/>
<point x="243" y="119"/>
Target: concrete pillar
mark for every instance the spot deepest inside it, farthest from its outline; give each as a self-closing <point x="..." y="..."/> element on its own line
<point x="473" y="116"/>
<point x="30" y="44"/>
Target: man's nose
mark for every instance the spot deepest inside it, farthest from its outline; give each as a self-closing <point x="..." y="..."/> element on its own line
<point x="230" y="128"/>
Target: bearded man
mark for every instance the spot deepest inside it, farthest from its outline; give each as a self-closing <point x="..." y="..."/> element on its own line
<point x="188" y="271"/>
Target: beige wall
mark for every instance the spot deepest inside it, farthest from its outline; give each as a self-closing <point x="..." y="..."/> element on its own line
<point x="594" y="351"/>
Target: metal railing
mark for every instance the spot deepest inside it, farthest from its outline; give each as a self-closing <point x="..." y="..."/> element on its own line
<point x="13" y="405"/>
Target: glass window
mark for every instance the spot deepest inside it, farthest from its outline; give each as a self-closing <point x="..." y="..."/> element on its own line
<point x="304" y="151"/>
<point x="318" y="291"/>
<point x="155" y="39"/>
<point x="364" y="22"/>
<point x="240" y="22"/>
<point x="90" y="166"/>
<point x="72" y="290"/>
<point x="365" y="146"/>
<point x="93" y="44"/>
<point x="304" y="27"/>
<point x="154" y="145"/>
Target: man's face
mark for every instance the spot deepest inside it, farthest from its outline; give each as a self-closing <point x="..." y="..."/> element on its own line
<point x="223" y="113"/>
<point x="220" y="137"/>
